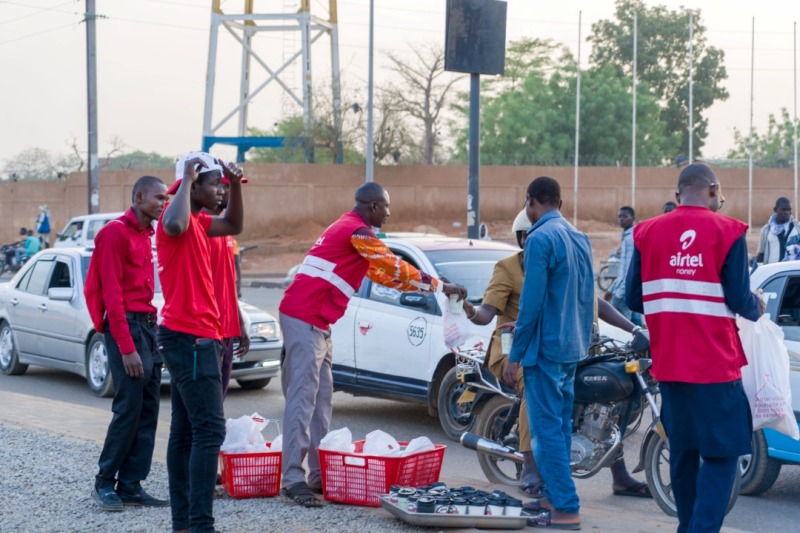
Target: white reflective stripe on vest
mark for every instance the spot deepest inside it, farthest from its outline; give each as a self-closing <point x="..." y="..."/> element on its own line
<point x="683" y="286"/>
<point x="679" y="305"/>
<point x="317" y="267"/>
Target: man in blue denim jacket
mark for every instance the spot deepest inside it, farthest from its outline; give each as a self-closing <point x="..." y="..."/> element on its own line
<point x="553" y="332"/>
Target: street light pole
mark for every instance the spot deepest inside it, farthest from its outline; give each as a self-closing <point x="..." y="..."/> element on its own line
<point x="93" y="190"/>
<point x="370" y="155"/>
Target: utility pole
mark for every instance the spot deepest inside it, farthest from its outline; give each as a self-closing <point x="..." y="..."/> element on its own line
<point x="93" y="189"/>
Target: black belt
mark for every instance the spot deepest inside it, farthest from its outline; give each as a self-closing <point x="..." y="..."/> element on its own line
<point x="141" y="317"/>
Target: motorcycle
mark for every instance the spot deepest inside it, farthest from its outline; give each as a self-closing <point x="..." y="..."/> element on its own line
<point x="8" y="259"/>
<point x="612" y="388"/>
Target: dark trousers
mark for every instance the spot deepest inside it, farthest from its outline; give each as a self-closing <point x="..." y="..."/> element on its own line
<point x="197" y="428"/>
<point x="227" y="364"/>
<point x="128" y="449"/>
<point x="709" y="427"/>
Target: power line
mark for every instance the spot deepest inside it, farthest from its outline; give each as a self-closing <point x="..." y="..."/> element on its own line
<point x="37" y="11"/>
<point x="71" y="24"/>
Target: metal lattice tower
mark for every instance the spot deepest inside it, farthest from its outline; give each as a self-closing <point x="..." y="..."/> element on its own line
<point x="243" y="27"/>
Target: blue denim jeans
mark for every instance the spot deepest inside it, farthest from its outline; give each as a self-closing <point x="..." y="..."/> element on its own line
<point x="550" y="393"/>
<point x="128" y="449"/>
<point x="197" y="427"/>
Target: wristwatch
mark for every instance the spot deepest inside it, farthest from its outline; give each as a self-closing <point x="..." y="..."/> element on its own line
<point x="635" y="330"/>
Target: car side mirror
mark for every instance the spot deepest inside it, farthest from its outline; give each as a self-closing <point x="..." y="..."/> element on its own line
<point x="414" y="299"/>
<point x="60" y="294"/>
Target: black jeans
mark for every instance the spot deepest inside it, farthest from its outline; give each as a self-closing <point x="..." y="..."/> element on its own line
<point x="128" y="450"/>
<point x="197" y="428"/>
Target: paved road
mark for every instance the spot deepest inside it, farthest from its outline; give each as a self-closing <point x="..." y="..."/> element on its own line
<point x="778" y="510"/>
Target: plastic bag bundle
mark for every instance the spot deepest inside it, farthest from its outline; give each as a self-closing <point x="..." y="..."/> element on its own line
<point x="456" y="327"/>
<point x="243" y="434"/>
<point x="766" y="377"/>
<point x="420" y="444"/>
<point x="277" y="444"/>
<point x="338" y="440"/>
<point x="381" y="443"/>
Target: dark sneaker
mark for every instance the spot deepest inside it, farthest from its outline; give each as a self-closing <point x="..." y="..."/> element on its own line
<point x="141" y="498"/>
<point x="107" y="499"/>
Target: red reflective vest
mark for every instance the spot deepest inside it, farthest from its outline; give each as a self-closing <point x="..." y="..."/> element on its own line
<point x="693" y="335"/>
<point x="329" y="276"/>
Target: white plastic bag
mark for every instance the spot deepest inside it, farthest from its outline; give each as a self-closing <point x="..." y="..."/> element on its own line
<point x="766" y="377"/>
<point x="243" y="434"/>
<point x="381" y="443"/>
<point x="456" y="327"/>
<point x="338" y="440"/>
<point x="277" y="444"/>
<point x="420" y="444"/>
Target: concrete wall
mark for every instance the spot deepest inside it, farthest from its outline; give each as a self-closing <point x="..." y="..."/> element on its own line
<point x="280" y="197"/>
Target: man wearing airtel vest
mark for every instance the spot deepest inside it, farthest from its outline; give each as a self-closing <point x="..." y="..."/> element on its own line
<point x="689" y="276"/>
<point x="331" y="273"/>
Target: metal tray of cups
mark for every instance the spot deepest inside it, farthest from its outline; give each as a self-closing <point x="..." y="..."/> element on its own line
<point x="452" y="520"/>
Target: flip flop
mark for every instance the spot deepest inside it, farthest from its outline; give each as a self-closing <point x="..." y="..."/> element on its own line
<point x="543" y="520"/>
<point x="300" y="494"/>
<point x="637" y="490"/>
<point x="534" y="507"/>
<point x="532" y="490"/>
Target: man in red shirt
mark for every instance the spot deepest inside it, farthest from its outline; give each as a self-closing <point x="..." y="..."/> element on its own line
<point x="225" y="288"/>
<point x="330" y="274"/>
<point x="119" y="295"/>
<point x="190" y="332"/>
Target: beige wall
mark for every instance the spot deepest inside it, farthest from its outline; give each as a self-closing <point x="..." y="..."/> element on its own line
<point x="280" y="197"/>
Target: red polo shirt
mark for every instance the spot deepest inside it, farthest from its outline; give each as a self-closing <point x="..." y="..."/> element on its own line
<point x="184" y="267"/>
<point x="120" y="277"/>
<point x="224" y="274"/>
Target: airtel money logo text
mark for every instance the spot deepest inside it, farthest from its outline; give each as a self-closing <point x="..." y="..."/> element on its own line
<point x="686" y="263"/>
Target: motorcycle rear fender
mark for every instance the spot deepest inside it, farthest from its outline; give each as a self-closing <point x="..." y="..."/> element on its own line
<point x="652" y="433"/>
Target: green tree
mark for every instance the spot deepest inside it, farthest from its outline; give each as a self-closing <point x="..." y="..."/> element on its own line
<point x="775" y="148"/>
<point x="663" y="62"/>
<point x="39" y="164"/>
<point x="528" y="118"/>
<point x="139" y="159"/>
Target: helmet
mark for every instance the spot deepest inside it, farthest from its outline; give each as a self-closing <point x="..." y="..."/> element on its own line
<point x="521" y="223"/>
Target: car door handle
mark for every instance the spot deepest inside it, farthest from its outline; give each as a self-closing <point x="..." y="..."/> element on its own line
<point x="42" y="307"/>
<point x="14" y="301"/>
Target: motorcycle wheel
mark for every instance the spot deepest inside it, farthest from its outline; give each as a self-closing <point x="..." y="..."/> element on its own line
<point x="488" y="424"/>
<point x="660" y="483"/>
<point x="455" y="418"/>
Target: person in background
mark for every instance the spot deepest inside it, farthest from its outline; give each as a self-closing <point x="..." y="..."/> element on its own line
<point x="669" y="207"/>
<point x="616" y="292"/>
<point x="11" y="248"/>
<point x="43" y="225"/>
<point x="689" y="276"/>
<point x="501" y="300"/>
<point x="777" y="233"/>
<point x="231" y="320"/>
<point x="30" y="247"/>
<point x="119" y="290"/>
<point x="190" y="332"/>
<point x="553" y="333"/>
<point x="331" y="273"/>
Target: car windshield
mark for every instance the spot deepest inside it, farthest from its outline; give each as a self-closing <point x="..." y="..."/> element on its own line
<point x="471" y="268"/>
<point x="85" y="270"/>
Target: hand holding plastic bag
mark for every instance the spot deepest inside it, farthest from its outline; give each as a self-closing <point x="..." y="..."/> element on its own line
<point x="456" y="327"/>
<point x="766" y="377"/>
<point x="338" y="440"/>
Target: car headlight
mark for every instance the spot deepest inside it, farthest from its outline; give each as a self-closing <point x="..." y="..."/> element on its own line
<point x="266" y="330"/>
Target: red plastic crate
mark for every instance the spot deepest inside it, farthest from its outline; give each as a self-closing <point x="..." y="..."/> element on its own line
<point x="251" y="475"/>
<point x="358" y="479"/>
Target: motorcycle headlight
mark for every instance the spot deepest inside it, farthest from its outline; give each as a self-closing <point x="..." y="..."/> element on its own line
<point x="266" y="330"/>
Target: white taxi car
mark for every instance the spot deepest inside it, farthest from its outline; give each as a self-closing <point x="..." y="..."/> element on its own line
<point x="771" y="450"/>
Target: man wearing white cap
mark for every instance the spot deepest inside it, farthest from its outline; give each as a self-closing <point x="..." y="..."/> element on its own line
<point x="43" y="225"/>
<point x="190" y="332"/>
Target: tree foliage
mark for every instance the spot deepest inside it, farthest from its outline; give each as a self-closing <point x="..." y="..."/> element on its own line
<point x="663" y="63"/>
<point x="528" y="118"/>
<point x="39" y="164"/>
<point x="774" y="148"/>
<point x="421" y="95"/>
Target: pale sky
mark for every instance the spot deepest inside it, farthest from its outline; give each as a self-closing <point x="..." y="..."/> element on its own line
<point x="152" y="58"/>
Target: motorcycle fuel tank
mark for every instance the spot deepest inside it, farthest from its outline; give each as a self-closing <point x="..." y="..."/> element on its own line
<point x="602" y="382"/>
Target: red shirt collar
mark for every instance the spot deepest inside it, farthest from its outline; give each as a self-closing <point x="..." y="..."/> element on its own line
<point x="130" y="218"/>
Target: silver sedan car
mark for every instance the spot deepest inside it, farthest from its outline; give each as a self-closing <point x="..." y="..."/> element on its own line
<point x="44" y="322"/>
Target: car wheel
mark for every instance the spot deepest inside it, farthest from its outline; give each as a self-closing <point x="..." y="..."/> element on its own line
<point x="455" y="417"/>
<point x="98" y="372"/>
<point x="9" y="357"/>
<point x="759" y="470"/>
<point x="253" y="384"/>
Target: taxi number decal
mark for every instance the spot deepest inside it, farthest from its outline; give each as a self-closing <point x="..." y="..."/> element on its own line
<point x="417" y="330"/>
